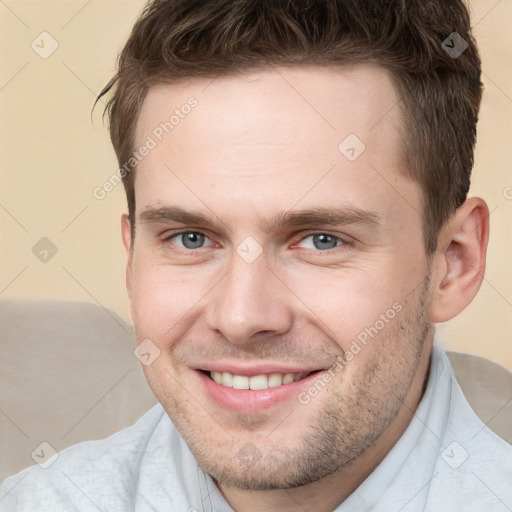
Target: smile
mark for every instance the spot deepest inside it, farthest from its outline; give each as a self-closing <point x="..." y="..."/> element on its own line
<point x="256" y="382"/>
<point x="254" y="389"/>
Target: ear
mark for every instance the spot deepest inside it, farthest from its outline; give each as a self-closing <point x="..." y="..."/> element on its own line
<point x="460" y="260"/>
<point x="127" y="242"/>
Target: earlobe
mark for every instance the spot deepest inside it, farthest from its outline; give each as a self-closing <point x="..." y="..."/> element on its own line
<point x="461" y="259"/>
<point x="127" y="242"/>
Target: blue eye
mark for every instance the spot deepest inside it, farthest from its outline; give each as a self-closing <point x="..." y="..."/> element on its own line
<point x="190" y="239"/>
<point x="323" y="241"/>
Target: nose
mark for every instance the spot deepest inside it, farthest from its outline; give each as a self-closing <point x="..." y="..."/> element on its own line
<point x="250" y="300"/>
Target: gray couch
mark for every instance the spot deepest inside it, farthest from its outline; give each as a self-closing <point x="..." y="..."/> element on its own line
<point x="68" y="374"/>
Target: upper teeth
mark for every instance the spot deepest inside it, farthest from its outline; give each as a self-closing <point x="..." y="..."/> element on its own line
<point x="257" y="382"/>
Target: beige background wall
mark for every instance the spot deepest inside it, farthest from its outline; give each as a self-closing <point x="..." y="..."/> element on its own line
<point x="53" y="155"/>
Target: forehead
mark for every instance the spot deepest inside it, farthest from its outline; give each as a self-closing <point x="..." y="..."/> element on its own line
<point x="272" y="133"/>
<point x="328" y="100"/>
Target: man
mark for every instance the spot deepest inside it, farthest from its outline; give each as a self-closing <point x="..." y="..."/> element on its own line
<point x="297" y="176"/>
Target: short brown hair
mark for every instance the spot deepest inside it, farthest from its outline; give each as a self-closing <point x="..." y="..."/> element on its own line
<point x="439" y="91"/>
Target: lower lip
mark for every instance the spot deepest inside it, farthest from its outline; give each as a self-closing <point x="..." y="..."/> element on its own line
<point x="251" y="401"/>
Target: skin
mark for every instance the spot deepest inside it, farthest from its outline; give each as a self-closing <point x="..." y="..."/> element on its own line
<point x="257" y="144"/>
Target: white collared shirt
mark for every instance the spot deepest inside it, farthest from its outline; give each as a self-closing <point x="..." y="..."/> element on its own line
<point x="447" y="460"/>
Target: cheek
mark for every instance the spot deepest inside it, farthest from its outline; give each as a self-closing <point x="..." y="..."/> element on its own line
<point x="353" y="304"/>
<point x="163" y="301"/>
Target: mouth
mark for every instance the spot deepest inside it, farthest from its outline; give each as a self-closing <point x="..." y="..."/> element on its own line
<point x="256" y="382"/>
<point x="256" y="388"/>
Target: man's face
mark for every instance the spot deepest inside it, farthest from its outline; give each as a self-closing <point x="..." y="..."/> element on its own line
<point x="245" y="296"/>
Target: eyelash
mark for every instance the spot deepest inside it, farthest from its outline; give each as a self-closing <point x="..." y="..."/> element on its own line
<point x="344" y="241"/>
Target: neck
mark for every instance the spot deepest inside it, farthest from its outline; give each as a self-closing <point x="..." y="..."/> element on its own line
<point x="329" y="492"/>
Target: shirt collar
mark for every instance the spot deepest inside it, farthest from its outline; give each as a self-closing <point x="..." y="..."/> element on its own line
<point x="409" y="466"/>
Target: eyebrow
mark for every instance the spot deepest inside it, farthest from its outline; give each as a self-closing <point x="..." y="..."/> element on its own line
<point x="284" y="219"/>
